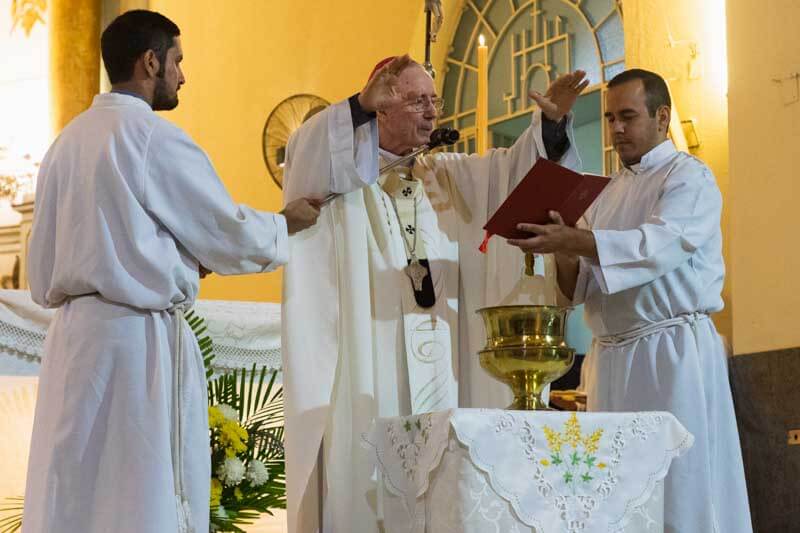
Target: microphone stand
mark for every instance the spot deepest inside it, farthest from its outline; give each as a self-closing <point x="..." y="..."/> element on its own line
<point x="424" y="149"/>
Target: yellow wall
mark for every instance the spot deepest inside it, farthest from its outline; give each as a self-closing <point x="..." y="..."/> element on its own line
<point x="242" y="58"/>
<point x="764" y="188"/>
<point x="659" y="36"/>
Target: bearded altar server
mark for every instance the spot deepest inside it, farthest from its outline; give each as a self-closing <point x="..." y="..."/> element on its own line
<point x="646" y="261"/>
<point x="388" y="341"/>
<point x="129" y="211"/>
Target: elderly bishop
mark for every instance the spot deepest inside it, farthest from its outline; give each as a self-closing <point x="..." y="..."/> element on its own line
<point x="391" y="277"/>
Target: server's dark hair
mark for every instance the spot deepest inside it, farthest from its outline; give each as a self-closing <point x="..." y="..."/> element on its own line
<point x="132" y="34"/>
<point x="655" y="88"/>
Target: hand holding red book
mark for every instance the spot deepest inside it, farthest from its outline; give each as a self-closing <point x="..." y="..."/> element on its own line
<point x="547" y="187"/>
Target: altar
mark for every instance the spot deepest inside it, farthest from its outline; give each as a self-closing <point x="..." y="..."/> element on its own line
<point x="462" y="470"/>
<point x="482" y="470"/>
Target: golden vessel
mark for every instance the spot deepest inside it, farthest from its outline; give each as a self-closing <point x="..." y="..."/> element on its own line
<point x="525" y="349"/>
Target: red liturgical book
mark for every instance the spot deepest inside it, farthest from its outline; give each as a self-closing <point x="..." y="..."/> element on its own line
<point x="547" y="187"/>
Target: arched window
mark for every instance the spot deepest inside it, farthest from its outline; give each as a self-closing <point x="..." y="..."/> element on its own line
<point x="531" y="43"/>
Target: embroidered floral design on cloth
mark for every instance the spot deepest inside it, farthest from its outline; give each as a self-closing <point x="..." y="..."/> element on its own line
<point x="407" y="449"/>
<point x="571" y="463"/>
<point x="579" y="465"/>
<point x="409" y="441"/>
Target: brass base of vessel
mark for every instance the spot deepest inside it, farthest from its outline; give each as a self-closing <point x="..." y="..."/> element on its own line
<point x="527" y="371"/>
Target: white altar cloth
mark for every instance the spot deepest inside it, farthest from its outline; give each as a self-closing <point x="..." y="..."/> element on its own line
<point x="480" y="471"/>
<point x="243" y="333"/>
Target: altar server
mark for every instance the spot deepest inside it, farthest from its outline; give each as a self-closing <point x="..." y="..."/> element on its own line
<point x="647" y="263"/>
<point x="128" y="212"/>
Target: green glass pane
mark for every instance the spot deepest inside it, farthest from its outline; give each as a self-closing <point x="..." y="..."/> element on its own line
<point x="506" y="132"/>
<point x="498" y="14"/>
<point x="597" y="10"/>
<point x="587" y="127"/>
<point x="461" y="38"/>
<point x="450" y="87"/>
<point x="469" y="90"/>
<point x="479" y="3"/>
<point x="612" y="41"/>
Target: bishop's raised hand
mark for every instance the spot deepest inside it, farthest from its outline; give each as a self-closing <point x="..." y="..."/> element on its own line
<point x="561" y="95"/>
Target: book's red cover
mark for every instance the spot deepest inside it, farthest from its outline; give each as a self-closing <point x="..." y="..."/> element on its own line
<point x="547" y="187"/>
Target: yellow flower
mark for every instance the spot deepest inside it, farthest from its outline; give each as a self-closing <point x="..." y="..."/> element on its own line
<point x="216" y="492"/>
<point x="215" y="417"/>
<point x="554" y="440"/>
<point x="545" y="462"/>
<point x="572" y="431"/>
<point x="233" y="436"/>
<point x="592" y="442"/>
<point x="238" y="493"/>
<point x="601" y="465"/>
<point x="230" y="452"/>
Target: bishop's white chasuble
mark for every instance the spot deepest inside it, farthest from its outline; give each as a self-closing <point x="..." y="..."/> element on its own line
<point x="358" y="341"/>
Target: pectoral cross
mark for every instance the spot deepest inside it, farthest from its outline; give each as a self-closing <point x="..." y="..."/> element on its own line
<point x="416" y="272"/>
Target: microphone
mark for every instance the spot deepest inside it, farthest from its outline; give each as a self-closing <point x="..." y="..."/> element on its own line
<point x="443" y="137"/>
<point x="439" y="137"/>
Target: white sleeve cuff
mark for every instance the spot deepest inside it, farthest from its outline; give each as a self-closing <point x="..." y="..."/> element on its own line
<point x="281" y="255"/>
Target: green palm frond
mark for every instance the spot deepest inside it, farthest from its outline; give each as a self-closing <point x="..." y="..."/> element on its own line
<point x="254" y="394"/>
<point x="13" y="522"/>
<point x="198" y="326"/>
<point x="233" y="519"/>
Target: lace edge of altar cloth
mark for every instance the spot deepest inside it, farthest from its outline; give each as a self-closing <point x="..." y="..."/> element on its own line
<point x="243" y="333"/>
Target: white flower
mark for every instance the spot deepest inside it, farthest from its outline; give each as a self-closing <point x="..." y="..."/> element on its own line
<point x="257" y="473"/>
<point x="228" y="412"/>
<point x="231" y="472"/>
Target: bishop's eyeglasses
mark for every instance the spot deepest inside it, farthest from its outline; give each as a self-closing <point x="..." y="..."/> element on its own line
<point x="419" y="104"/>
